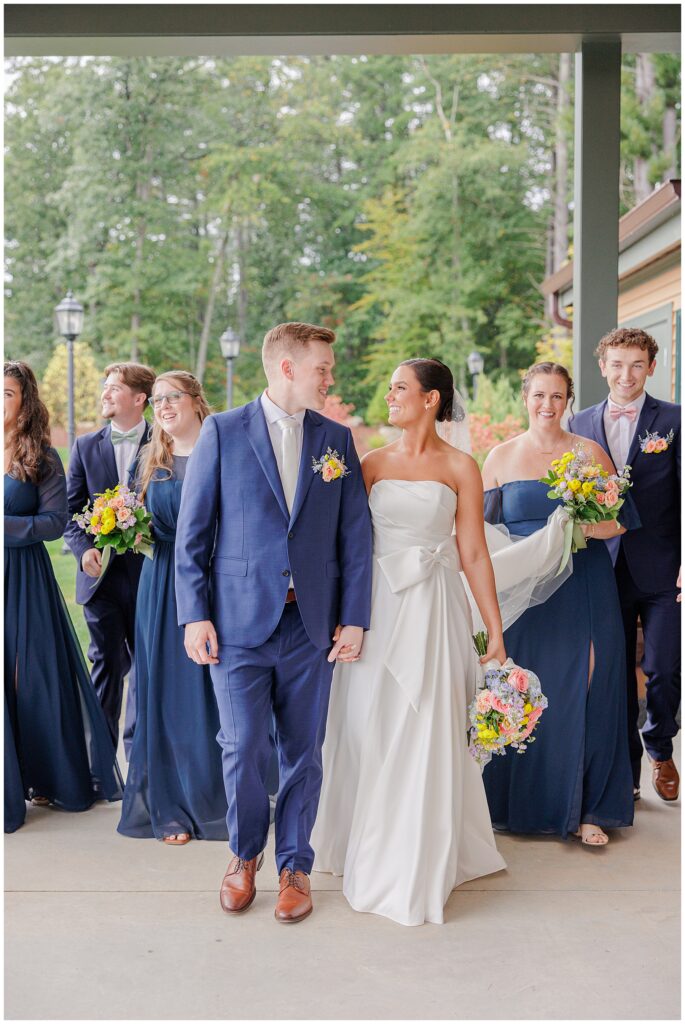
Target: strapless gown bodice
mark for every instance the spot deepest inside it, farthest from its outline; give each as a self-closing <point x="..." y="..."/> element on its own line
<point x="411" y="513"/>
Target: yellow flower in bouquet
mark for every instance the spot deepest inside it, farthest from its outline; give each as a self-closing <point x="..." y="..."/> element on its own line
<point x="109" y="521"/>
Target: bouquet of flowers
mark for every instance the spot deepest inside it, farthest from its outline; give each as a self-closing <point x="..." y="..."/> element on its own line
<point x="505" y="710"/>
<point x="119" y="522"/>
<point x="589" y="492"/>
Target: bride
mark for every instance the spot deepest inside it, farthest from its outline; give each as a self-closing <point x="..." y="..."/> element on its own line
<point x="403" y="814"/>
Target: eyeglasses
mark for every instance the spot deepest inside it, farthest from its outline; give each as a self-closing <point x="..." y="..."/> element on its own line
<point x="172" y="397"/>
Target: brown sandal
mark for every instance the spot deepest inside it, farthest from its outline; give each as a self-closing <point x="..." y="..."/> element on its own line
<point x="177" y="839"/>
<point x="40" y="801"/>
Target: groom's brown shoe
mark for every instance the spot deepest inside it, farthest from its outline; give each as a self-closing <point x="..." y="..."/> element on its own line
<point x="294" y="899"/>
<point x="238" y="888"/>
<point x="665" y="779"/>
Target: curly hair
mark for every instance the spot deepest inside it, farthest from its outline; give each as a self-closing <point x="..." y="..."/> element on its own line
<point x="159" y="453"/>
<point x="30" y="440"/>
<point x="627" y="337"/>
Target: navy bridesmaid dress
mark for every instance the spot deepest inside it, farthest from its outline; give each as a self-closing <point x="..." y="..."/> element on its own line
<point x="57" y="744"/>
<point x="577" y="770"/>
<point x="175" y="781"/>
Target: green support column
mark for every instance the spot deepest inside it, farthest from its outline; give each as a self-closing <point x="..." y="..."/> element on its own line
<point x="596" y="210"/>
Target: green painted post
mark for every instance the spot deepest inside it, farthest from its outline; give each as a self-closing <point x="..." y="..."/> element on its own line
<point x="596" y="210"/>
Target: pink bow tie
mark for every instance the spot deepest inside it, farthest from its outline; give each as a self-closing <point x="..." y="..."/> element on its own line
<point x="629" y="411"/>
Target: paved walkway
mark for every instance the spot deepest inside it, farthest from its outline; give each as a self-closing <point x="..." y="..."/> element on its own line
<point x="103" y="927"/>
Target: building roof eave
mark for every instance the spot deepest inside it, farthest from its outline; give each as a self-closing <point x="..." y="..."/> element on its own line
<point x="661" y="205"/>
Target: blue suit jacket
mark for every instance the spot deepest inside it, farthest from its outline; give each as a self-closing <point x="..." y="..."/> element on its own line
<point x="236" y="543"/>
<point x="652" y="551"/>
<point x="92" y="469"/>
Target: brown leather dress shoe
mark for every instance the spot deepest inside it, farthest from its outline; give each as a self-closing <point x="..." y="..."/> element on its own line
<point x="665" y="779"/>
<point x="294" y="899"/>
<point x="238" y="888"/>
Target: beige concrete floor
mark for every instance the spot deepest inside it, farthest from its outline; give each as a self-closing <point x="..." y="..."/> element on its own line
<point x="103" y="927"/>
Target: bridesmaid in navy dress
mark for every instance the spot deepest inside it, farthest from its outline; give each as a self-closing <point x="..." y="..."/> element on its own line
<point x="576" y="776"/>
<point x="58" y="748"/>
<point x="174" y="789"/>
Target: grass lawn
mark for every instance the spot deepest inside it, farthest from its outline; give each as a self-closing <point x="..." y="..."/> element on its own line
<point x="64" y="567"/>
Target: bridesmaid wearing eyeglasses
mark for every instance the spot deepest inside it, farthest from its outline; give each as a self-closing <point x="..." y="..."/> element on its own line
<point x="174" y="790"/>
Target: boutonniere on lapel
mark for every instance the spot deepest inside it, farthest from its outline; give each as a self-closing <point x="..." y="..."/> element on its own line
<point x="330" y="466"/>
<point x="652" y="444"/>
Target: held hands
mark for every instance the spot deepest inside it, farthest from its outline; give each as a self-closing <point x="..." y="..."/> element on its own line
<point x="347" y="643"/>
<point x="198" y="636"/>
<point x="91" y="562"/>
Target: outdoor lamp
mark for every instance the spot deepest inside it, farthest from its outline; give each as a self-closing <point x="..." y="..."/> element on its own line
<point x="230" y="349"/>
<point x="69" y="320"/>
<point x="475" y="363"/>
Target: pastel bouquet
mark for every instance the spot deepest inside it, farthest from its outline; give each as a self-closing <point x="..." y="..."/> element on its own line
<point x="590" y="494"/>
<point x="119" y="522"/>
<point x="505" y="710"/>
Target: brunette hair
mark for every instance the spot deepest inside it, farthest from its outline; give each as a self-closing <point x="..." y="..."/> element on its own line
<point x="136" y="376"/>
<point x="30" y="440"/>
<point x="627" y="337"/>
<point x="291" y="339"/>
<point x="433" y="375"/>
<point x="548" y="369"/>
<point x="158" y="453"/>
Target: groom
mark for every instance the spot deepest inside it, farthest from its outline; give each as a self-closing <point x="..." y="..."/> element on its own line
<point x="273" y="569"/>
<point x="644" y="433"/>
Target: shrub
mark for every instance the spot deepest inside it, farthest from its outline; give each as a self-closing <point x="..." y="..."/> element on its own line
<point x="486" y="433"/>
<point x="87" y="386"/>
<point x="337" y="410"/>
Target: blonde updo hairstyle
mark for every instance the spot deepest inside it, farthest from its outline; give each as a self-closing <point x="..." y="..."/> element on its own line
<point x="158" y="454"/>
<point x="548" y="369"/>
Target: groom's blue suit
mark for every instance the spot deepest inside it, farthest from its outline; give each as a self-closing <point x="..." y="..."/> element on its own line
<point x="236" y="548"/>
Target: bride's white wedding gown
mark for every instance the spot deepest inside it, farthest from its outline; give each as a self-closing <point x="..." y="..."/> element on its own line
<point x="403" y="814"/>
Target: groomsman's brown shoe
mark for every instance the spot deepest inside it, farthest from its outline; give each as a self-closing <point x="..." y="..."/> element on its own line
<point x="294" y="899"/>
<point x="665" y="779"/>
<point x="238" y="888"/>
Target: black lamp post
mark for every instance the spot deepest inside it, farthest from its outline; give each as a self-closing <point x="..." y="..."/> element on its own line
<point x="230" y="349"/>
<point x="69" y="317"/>
<point x="475" y="363"/>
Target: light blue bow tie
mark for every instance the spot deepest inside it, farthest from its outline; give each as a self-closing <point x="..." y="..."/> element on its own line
<point x="118" y="437"/>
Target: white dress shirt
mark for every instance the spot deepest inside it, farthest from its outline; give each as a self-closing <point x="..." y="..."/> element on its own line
<point x="620" y="432"/>
<point x="126" y="451"/>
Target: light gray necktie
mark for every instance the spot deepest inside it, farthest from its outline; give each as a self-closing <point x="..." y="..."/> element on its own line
<point x="290" y="458"/>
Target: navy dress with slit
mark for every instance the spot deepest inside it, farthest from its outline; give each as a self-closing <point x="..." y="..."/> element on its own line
<point x="57" y="744"/>
<point x="577" y="770"/>
<point x="175" y="779"/>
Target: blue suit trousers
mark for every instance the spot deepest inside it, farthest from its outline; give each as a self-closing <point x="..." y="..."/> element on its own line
<point x="283" y="686"/>
<point x="660" y="616"/>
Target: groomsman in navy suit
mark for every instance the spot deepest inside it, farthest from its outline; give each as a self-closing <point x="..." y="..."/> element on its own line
<point x="644" y="433"/>
<point x="98" y="461"/>
<point x="273" y="583"/>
